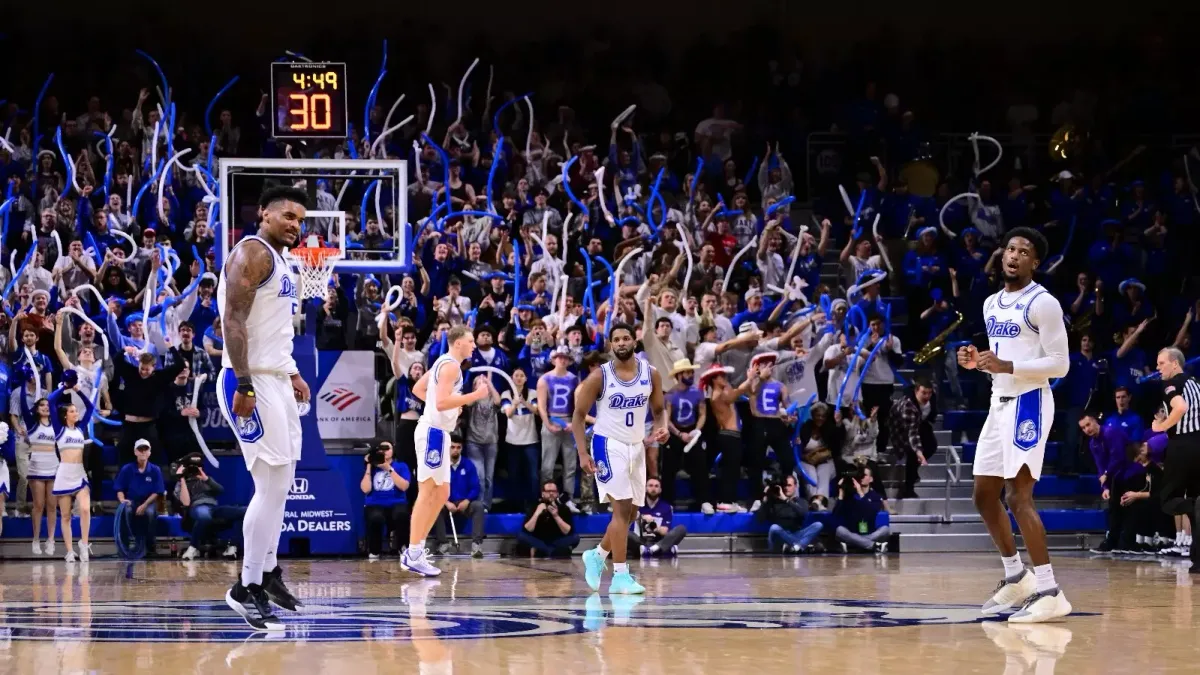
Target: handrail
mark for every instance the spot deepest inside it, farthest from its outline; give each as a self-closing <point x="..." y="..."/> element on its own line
<point x="952" y="478"/>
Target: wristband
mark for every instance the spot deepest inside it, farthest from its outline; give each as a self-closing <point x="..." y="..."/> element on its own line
<point x="245" y="387"/>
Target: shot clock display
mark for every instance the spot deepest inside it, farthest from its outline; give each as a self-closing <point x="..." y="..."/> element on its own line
<point x="310" y="100"/>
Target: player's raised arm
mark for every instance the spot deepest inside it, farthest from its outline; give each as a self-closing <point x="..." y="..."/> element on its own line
<point x="585" y="396"/>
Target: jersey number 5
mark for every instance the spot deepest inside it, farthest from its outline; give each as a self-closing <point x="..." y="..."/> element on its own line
<point x="628" y="419"/>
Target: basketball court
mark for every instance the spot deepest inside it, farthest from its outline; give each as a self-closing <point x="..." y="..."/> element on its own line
<point x="915" y="613"/>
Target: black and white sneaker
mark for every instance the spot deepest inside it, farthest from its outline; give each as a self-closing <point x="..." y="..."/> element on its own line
<point x="251" y="603"/>
<point x="277" y="592"/>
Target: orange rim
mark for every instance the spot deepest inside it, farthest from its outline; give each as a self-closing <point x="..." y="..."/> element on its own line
<point x="315" y="256"/>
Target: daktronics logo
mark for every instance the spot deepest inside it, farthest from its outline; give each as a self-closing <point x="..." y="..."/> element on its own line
<point x="341" y="397"/>
<point x="300" y="490"/>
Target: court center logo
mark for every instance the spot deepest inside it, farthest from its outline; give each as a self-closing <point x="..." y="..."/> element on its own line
<point x="367" y="619"/>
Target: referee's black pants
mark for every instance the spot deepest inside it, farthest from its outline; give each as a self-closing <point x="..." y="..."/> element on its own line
<point x="1181" y="482"/>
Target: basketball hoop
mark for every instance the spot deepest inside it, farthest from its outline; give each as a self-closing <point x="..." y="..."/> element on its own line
<point x="315" y="262"/>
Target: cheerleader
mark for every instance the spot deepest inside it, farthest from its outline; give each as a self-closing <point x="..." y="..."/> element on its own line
<point x="37" y="434"/>
<point x="70" y="481"/>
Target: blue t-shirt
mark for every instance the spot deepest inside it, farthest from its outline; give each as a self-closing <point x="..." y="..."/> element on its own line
<point x="383" y="489"/>
<point x="139" y="485"/>
<point x="1129" y="422"/>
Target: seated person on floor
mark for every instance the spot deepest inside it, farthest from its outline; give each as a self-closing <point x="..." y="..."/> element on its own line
<point x="855" y="513"/>
<point x="548" y="528"/>
<point x="652" y="533"/>
<point x="786" y="512"/>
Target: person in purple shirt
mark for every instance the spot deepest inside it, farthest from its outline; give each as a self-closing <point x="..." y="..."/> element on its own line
<point x="1125" y="418"/>
<point x="556" y="404"/>
<point x="686" y="414"/>
<point x="652" y="533"/>
<point x="1120" y="477"/>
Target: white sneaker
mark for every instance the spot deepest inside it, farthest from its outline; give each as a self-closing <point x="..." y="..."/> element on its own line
<point x="37" y="547"/>
<point x="70" y="557"/>
<point x="1043" y="606"/>
<point x="1011" y="593"/>
<point x="372" y="557"/>
<point x="85" y="552"/>
<point x="418" y="563"/>
<point x="230" y="552"/>
<point x="756" y="506"/>
<point x="190" y="553"/>
<point x="707" y="509"/>
<point x="49" y="547"/>
<point x="572" y="507"/>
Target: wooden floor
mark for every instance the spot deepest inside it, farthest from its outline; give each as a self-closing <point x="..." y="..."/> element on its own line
<point x="755" y="615"/>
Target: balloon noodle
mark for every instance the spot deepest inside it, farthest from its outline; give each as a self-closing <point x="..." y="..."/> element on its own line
<point x="387" y="121"/>
<point x="846" y="200"/>
<point x="942" y="213"/>
<point x="57" y="243"/>
<point x="1191" y="186"/>
<point x="616" y="284"/>
<point x="170" y="142"/>
<point x="600" y="194"/>
<point x="445" y="166"/>
<point x="391" y="304"/>
<point x="867" y="364"/>
<point x="589" y="301"/>
<point x="37" y="380"/>
<point x="37" y="109"/>
<point x="975" y="138"/>
<point x="750" y="174"/>
<point x="650" y="204"/>
<point x="501" y="109"/>
<point x="687" y="249"/>
<point x="166" y="89"/>
<point x="566" y="180"/>
<point x="72" y="179"/>
<point x="162" y="179"/>
<point x="563" y="280"/>
<point x="374" y="92"/>
<point x="796" y="252"/>
<point x="491" y="207"/>
<point x="362" y="212"/>
<point x="497" y="371"/>
<point x="733" y="263"/>
<point x="529" y="135"/>
<point x="878" y="277"/>
<point x="432" y="109"/>
<point x="146" y="186"/>
<point x="862" y="198"/>
<point x="462" y="85"/>
<point x="195" y="427"/>
<point x="1158" y="376"/>
<point x="389" y="131"/>
<point x="696" y="175"/>
<point x="858" y="347"/>
<point x="883" y="254"/>
<point x="440" y="225"/>
<point x="779" y="205"/>
<point x="17" y="273"/>
<point x="623" y="116"/>
<point x="211" y="104"/>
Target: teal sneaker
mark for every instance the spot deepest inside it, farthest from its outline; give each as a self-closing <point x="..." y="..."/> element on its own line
<point x="623" y="606"/>
<point x="624" y="583"/>
<point x="593" y="568"/>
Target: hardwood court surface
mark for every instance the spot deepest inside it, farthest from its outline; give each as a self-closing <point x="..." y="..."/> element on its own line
<point x="915" y="613"/>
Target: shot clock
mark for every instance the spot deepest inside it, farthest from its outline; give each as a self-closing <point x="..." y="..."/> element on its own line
<point x="310" y="100"/>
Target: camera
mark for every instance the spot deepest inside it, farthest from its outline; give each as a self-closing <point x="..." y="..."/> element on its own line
<point x="774" y="492"/>
<point x="378" y="455"/>
<point x="189" y="466"/>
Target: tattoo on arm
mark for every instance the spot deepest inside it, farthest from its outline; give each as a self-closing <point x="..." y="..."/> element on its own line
<point x="246" y="268"/>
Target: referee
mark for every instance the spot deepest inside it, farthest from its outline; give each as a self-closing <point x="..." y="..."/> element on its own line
<point x="1181" y="421"/>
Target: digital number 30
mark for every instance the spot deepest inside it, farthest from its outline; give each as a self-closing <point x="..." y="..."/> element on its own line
<point x="315" y="112"/>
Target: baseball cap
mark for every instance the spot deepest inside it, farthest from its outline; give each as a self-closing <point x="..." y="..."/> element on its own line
<point x="141" y="443"/>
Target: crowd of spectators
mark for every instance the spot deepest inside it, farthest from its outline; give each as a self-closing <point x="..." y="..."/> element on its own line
<point x="725" y="278"/>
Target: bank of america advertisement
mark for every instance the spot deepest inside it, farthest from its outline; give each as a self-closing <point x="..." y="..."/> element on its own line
<point x="345" y="405"/>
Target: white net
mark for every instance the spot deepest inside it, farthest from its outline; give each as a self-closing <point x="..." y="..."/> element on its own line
<point x="315" y="264"/>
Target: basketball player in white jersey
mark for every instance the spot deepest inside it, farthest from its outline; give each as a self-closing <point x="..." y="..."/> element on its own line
<point x="1027" y="345"/>
<point x="259" y="389"/>
<point x="621" y="390"/>
<point x="439" y="388"/>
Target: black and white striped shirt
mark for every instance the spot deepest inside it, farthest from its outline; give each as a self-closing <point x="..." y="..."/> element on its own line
<point x="1186" y="387"/>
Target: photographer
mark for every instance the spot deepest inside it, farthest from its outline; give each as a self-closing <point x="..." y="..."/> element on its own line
<point x="786" y="512"/>
<point x="548" y="527"/>
<point x="855" y="513"/>
<point x="652" y="533"/>
<point x="196" y="492"/>
<point x="384" y="483"/>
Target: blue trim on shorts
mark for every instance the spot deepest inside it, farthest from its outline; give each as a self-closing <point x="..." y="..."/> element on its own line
<point x="1027" y="429"/>
<point x="435" y="445"/>
<point x="247" y="429"/>
<point x="600" y="455"/>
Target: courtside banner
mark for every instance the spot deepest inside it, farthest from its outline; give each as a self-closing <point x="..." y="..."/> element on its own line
<point x="345" y="403"/>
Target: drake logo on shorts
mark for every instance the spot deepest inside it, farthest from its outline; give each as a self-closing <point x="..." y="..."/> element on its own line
<point x="249" y="428"/>
<point x="603" y="472"/>
<point x="1027" y="432"/>
<point x="433" y="458"/>
<point x="600" y="454"/>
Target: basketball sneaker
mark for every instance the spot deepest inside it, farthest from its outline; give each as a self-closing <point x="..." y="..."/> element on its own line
<point x="593" y="613"/>
<point x="624" y="583"/>
<point x="593" y="568"/>
<point x="623" y="606"/>
<point x="251" y="603"/>
<point x="70" y="557"/>
<point x="1011" y="592"/>
<point x="1043" y="606"/>
<point x="85" y="552"/>
<point x="49" y="547"/>
<point x="278" y="592"/>
<point x="418" y="562"/>
<point x="416" y="596"/>
<point x="37" y="547"/>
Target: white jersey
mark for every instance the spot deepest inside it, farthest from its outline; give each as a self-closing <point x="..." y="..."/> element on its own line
<point x="622" y="407"/>
<point x="269" y="327"/>
<point x="42" y="435"/>
<point x="71" y="438"/>
<point x="446" y="419"/>
<point x="1026" y="327"/>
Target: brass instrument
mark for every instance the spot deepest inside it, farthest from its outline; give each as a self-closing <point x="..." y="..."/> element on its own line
<point x="937" y="344"/>
<point x="1083" y="322"/>
<point x="1066" y="142"/>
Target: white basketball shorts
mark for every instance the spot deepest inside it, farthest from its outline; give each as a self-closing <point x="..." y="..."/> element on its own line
<point x="1014" y="435"/>
<point x="433" y="453"/>
<point x="5" y="481"/>
<point x="272" y="432"/>
<point x="620" y="470"/>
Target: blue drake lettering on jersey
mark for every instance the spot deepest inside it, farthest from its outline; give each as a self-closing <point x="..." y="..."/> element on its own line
<point x="1004" y="329"/>
<point x="620" y="401"/>
<point x="287" y="288"/>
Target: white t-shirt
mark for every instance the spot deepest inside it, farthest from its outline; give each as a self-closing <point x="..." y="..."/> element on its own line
<point x="521" y="429"/>
<point x="880" y="371"/>
<point x="836" y="375"/>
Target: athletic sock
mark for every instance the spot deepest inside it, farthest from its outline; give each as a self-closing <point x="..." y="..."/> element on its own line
<point x="620" y="568"/>
<point x="1012" y="565"/>
<point x="419" y="547"/>
<point x="1045" y="578"/>
<point x="602" y="552"/>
